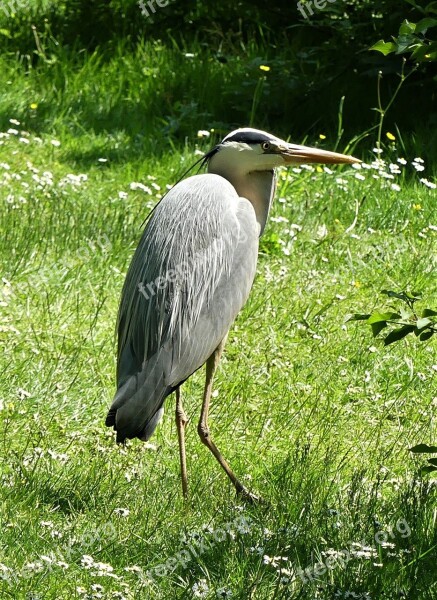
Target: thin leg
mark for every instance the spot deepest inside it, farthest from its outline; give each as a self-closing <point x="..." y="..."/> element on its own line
<point x="181" y="421"/>
<point x="203" y="429"/>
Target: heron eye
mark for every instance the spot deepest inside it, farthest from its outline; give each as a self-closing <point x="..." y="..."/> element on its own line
<point x="266" y="145"/>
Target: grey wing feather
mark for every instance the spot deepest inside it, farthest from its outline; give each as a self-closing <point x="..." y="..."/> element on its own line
<point x="190" y="276"/>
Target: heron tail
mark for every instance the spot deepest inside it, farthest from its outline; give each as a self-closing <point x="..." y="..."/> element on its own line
<point x="138" y="407"/>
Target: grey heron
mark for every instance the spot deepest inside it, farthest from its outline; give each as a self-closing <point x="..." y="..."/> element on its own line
<point x="189" y="278"/>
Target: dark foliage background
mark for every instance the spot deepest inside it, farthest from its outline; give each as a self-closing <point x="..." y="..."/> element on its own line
<point x="313" y="62"/>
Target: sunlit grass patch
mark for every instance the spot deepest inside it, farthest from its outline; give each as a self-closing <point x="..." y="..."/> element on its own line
<point x="309" y="409"/>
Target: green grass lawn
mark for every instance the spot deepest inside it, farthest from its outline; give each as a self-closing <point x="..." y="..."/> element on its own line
<point x="312" y="412"/>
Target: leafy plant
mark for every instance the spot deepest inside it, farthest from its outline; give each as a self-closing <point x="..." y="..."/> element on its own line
<point x="412" y="39"/>
<point x="425" y="449"/>
<point x="403" y="321"/>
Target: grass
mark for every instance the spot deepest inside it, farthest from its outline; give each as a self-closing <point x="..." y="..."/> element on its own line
<point x="313" y="413"/>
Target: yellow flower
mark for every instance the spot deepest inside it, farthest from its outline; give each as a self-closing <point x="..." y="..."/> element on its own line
<point x="264" y="68"/>
<point x="319" y="169"/>
<point x="390" y="136"/>
<point x="417" y="207"/>
<point x="34" y="106"/>
<point x="357" y="284"/>
<point x="322" y="137"/>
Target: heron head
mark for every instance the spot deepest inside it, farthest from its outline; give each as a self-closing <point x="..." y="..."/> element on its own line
<point x="248" y="150"/>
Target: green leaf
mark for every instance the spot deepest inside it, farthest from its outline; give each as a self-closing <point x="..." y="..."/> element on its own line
<point x="407" y="28"/>
<point x="420" y="52"/>
<point x="384" y="47"/>
<point x="404" y="43"/>
<point x="398" y="334"/>
<point x="356" y="317"/>
<point x="428" y="469"/>
<point x="6" y="33"/>
<point x="378" y="327"/>
<point x="423" y="25"/>
<point x="428" y="312"/>
<point x="423" y="322"/>
<point x="388" y="316"/>
<point x="419" y="8"/>
<point x="431" y="7"/>
<point x="423" y="449"/>
<point x="425" y="335"/>
<point x="401" y="295"/>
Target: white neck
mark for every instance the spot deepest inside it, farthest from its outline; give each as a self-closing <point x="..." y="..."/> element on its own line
<point x="257" y="186"/>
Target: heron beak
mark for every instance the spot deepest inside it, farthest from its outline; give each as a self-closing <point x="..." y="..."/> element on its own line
<point x="292" y="153"/>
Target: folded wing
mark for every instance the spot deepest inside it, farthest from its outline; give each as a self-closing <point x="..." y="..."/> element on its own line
<point x="190" y="276"/>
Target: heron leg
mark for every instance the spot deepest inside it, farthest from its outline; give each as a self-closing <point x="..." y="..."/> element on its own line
<point x="203" y="429"/>
<point x="181" y="421"/>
